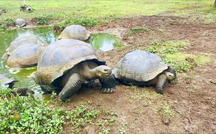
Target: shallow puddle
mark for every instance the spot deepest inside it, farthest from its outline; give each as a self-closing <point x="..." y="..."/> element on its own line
<point x="105" y="42"/>
<point x="46" y="33"/>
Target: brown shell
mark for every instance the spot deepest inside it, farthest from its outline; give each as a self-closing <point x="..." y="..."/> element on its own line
<point x="77" y="32"/>
<point x="140" y="66"/>
<point x="24" y="51"/>
<point x="61" y="56"/>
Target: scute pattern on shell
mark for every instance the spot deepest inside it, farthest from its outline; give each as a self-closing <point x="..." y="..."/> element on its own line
<point x="60" y="57"/>
<point x="140" y="66"/>
<point x="24" y="38"/>
<point x="24" y="50"/>
<point x="77" y="32"/>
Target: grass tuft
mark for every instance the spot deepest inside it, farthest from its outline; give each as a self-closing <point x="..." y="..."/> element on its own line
<point x="170" y="51"/>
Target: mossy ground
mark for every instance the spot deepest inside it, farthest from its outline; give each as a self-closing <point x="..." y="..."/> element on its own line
<point x="170" y="52"/>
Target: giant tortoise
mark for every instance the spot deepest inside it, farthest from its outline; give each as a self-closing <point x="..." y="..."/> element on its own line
<point x="24" y="51"/>
<point x="143" y="68"/>
<point x="77" y="32"/>
<point x="66" y="64"/>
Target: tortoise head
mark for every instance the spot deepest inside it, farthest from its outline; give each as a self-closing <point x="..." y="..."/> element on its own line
<point x="62" y="36"/>
<point x="171" y="74"/>
<point x="102" y="71"/>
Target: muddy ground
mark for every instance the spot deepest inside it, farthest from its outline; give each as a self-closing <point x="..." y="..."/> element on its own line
<point x="191" y="103"/>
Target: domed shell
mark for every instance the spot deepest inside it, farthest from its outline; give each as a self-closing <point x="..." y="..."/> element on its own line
<point x="61" y="56"/>
<point x="20" y="22"/>
<point x="140" y="66"/>
<point x="23" y="38"/>
<point x="77" y="32"/>
<point x="24" y="50"/>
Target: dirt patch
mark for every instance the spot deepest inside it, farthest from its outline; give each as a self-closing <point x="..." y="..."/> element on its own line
<point x="187" y="107"/>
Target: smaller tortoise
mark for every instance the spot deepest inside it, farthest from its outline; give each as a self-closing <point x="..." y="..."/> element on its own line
<point x="20" y="23"/>
<point x="77" y="32"/>
<point x="26" y="8"/>
<point x="144" y="69"/>
<point x="7" y="82"/>
<point x="24" y="51"/>
<point x="67" y="64"/>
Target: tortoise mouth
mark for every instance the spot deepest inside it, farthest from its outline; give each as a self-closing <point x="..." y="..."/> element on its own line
<point x="104" y="74"/>
<point x="88" y="37"/>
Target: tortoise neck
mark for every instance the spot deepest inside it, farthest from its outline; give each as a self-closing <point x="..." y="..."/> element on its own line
<point x="89" y="73"/>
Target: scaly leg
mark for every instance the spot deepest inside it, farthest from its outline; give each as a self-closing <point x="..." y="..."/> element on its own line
<point x="73" y="85"/>
<point x="161" y="83"/>
<point x="108" y="84"/>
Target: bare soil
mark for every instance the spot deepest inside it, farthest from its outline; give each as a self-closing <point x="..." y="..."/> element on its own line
<point x="139" y="110"/>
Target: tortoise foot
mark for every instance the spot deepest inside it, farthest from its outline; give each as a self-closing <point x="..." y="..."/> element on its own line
<point x="160" y="90"/>
<point x="108" y="90"/>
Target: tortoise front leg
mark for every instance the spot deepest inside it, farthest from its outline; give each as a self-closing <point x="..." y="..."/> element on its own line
<point x="73" y="85"/>
<point x="108" y="84"/>
<point x="161" y="83"/>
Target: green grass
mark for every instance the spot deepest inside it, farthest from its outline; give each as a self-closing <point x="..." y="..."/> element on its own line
<point x="166" y="109"/>
<point x="202" y="10"/>
<point x="170" y="51"/>
<point x="65" y="9"/>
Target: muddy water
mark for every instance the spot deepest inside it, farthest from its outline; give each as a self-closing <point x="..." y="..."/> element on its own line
<point x="105" y="42"/>
<point x="102" y="41"/>
<point x="6" y="37"/>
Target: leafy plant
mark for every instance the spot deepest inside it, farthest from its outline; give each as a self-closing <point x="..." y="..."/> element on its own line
<point x="27" y="114"/>
<point x="81" y="116"/>
<point x="3" y="26"/>
<point x="9" y="22"/>
<point x="105" y="131"/>
<point x="89" y="22"/>
<point x="42" y="20"/>
<point x="166" y="109"/>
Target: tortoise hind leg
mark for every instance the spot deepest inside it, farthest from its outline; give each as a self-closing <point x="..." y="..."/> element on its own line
<point x="73" y="84"/>
<point x="161" y="83"/>
<point x="108" y="84"/>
